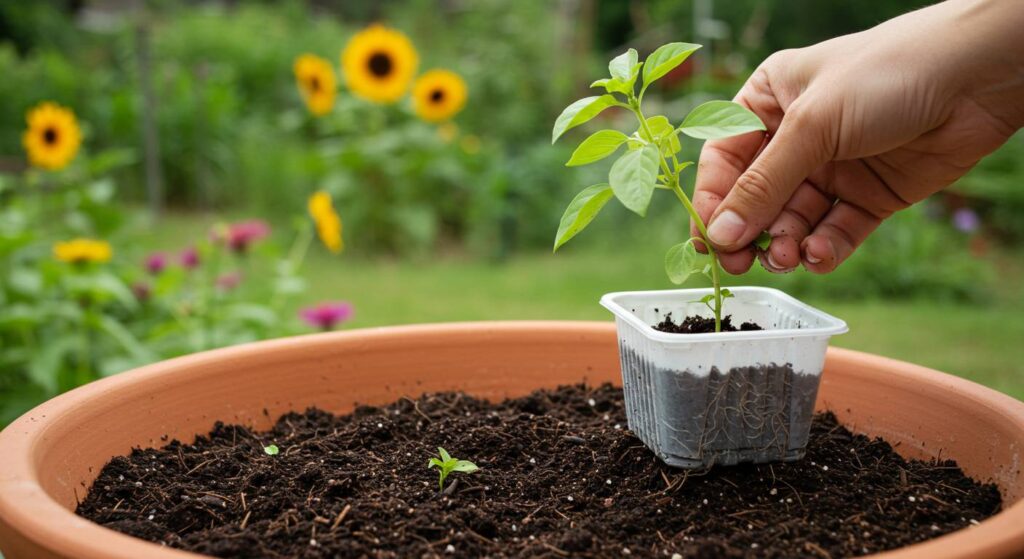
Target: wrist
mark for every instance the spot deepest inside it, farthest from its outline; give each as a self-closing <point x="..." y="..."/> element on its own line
<point x="992" y="56"/>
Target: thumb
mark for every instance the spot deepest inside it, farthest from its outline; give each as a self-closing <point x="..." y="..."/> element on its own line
<point x="801" y="145"/>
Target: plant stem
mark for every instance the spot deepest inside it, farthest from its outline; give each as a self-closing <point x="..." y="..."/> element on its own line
<point x="673" y="178"/>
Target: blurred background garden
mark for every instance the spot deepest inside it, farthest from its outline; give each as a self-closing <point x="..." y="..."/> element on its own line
<point x="182" y="175"/>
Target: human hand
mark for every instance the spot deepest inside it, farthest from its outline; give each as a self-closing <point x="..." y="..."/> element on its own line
<point x="860" y="127"/>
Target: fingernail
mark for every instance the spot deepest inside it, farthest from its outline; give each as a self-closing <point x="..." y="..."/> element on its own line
<point x="812" y="259"/>
<point x="773" y="263"/>
<point x="727" y="228"/>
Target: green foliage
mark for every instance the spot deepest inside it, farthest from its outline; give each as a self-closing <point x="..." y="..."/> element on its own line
<point x="271" y="449"/>
<point x="581" y="211"/>
<point x="65" y="324"/>
<point x="719" y="119"/>
<point x="445" y="465"/>
<point x="651" y="162"/>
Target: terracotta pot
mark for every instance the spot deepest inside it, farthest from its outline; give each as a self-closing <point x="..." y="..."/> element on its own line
<point x="49" y="457"/>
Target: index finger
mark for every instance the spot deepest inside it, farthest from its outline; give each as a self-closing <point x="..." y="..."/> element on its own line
<point x="723" y="161"/>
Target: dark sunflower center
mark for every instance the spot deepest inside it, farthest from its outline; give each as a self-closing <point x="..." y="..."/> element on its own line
<point x="50" y="135"/>
<point x="379" y="64"/>
<point x="314" y="84"/>
<point x="437" y="96"/>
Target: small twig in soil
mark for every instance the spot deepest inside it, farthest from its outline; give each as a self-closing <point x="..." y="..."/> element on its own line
<point x="555" y="550"/>
<point x="811" y="546"/>
<point x="245" y="521"/>
<point x="341" y="516"/>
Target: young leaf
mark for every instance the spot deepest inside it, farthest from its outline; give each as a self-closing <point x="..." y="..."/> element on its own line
<point x="719" y="119"/>
<point x="706" y="299"/>
<point x="435" y="462"/>
<point x="271" y="449"/>
<point x="667" y="57"/>
<point x="596" y="147"/>
<point x="579" y="112"/>
<point x="621" y="67"/>
<point x="763" y="241"/>
<point x="581" y="211"/>
<point x="681" y="261"/>
<point x="633" y="177"/>
<point x="444" y="454"/>
<point x="614" y="85"/>
<point x="465" y="466"/>
<point x="726" y="293"/>
<point x="662" y="128"/>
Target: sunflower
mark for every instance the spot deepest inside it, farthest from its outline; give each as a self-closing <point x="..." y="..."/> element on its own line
<point x="52" y="137"/>
<point x="379" y="63"/>
<point x="438" y="95"/>
<point x="316" y="82"/>
<point x="328" y="223"/>
<point x="81" y="251"/>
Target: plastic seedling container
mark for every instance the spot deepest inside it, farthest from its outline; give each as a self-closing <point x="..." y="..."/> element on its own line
<point x="698" y="400"/>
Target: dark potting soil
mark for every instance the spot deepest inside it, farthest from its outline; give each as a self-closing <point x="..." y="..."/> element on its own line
<point x="560" y="476"/>
<point x="701" y="325"/>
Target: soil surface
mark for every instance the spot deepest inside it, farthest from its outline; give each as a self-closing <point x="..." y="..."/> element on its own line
<point x="701" y="325"/>
<point x="560" y="476"/>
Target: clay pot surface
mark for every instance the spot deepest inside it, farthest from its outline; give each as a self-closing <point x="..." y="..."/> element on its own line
<point x="50" y="456"/>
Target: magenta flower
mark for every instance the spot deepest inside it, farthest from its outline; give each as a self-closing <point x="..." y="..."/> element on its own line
<point x="239" y="236"/>
<point x="156" y="262"/>
<point x="189" y="258"/>
<point x="966" y="220"/>
<point x="326" y="316"/>
<point x="229" y="281"/>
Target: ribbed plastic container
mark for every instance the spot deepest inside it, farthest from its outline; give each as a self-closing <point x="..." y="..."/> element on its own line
<point x="699" y="400"/>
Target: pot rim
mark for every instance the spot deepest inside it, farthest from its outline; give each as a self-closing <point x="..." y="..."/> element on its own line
<point x="831" y="326"/>
<point x="26" y="508"/>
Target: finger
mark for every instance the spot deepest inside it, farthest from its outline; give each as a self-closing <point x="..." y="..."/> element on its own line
<point x="842" y="230"/>
<point x="739" y="262"/>
<point x="801" y="145"/>
<point x="801" y="214"/>
<point x="723" y="161"/>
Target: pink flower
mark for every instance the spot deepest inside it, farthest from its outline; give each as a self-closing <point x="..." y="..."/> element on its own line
<point x="229" y="281"/>
<point x="189" y="258"/>
<point x="326" y="316"/>
<point x="966" y="220"/>
<point x="239" y="236"/>
<point x="156" y="262"/>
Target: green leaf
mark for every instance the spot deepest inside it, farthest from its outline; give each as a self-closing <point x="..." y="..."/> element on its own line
<point x="45" y="366"/>
<point x="444" y="454"/>
<point x="465" y="466"/>
<point x="706" y="299"/>
<point x="581" y="211"/>
<point x="596" y="147"/>
<point x="622" y="66"/>
<point x="271" y="449"/>
<point x="665" y="58"/>
<point x="614" y="85"/>
<point x="661" y="128"/>
<point x="719" y="119"/>
<point x="435" y="462"/>
<point x="111" y="327"/>
<point x="633" y="177"/>
<point x="726" y="293"/>
<point x="681" y="261"/>
<point x="579" y="112"/>
<point x="763" y="241"/>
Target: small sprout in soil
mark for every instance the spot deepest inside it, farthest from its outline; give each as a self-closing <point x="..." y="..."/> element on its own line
<point x="271" y="449"/>
<point x="446" y="465"/>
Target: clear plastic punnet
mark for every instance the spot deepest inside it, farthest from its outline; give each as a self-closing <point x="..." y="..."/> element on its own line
<point x="699" y="400"/>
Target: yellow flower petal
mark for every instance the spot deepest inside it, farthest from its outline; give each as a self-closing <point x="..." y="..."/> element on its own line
<point x="379" y="63"/>
<point x="53" y="137"/>
<point x="438" y="95"/>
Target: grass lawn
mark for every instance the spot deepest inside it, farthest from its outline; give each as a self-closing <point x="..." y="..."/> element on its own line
<point x="981" y="343"/>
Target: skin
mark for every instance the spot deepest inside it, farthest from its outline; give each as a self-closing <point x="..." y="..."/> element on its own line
<point x="860" y="127"/>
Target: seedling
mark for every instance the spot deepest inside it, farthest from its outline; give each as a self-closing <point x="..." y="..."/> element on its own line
<point x="446" y="465"/>
<point x="650" y="161"/>
<point x="271" y="449"/>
